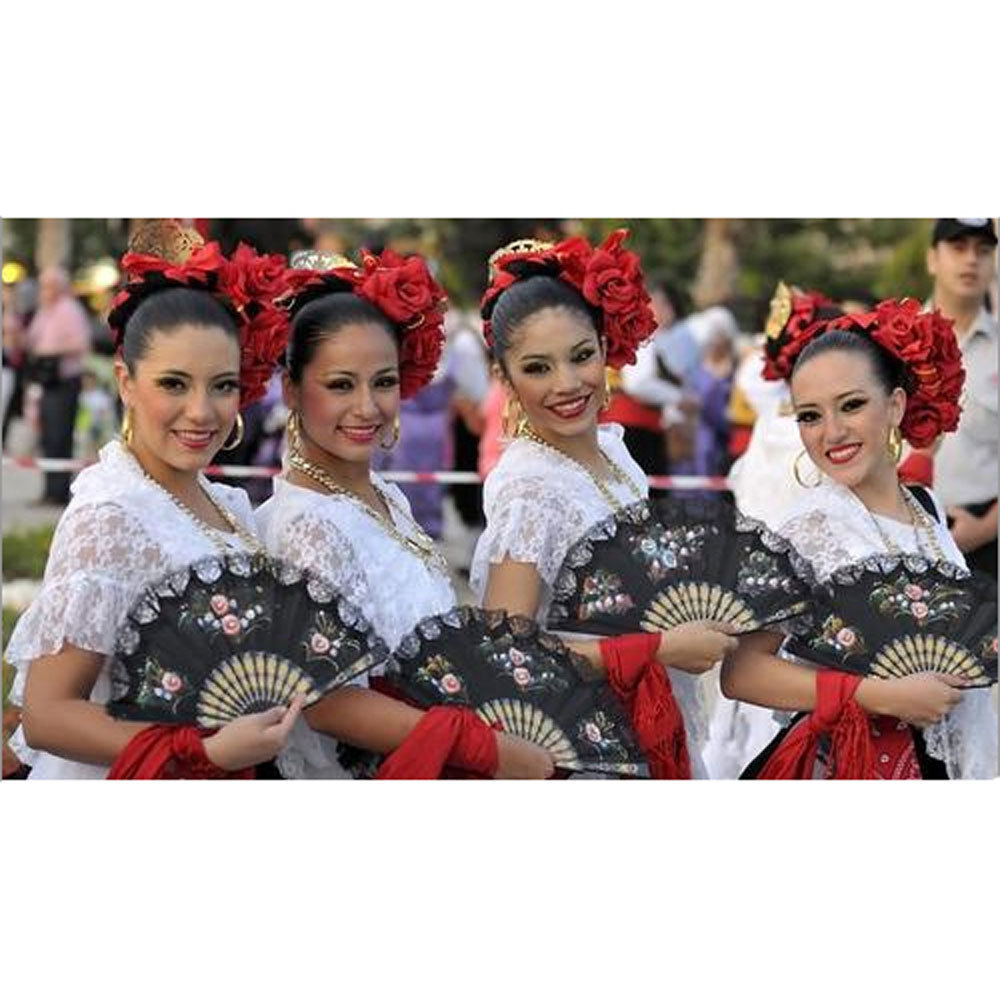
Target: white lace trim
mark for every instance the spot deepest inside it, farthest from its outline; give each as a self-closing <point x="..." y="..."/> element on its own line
<point x="538" y="504"/>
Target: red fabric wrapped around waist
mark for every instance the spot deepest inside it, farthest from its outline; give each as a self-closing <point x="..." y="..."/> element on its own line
<point x="641" y="682"/>
<point x="840" y="717"/>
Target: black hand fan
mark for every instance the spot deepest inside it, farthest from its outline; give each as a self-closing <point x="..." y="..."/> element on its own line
<point x="521" y="679"/>
<point x="229" y="637"/>
<point x="891" y="616"/>
<point x="657" y="564"/>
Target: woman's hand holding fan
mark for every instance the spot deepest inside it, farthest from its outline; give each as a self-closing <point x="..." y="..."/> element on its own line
<point x="253" y="739"/>
<point x="518" y="758"/>
<point x="695" y="647"/>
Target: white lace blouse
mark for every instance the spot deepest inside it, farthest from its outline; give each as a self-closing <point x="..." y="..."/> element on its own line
<point x="538" y="504"/>
<point x="119" y="534"/>
<point x="394" y="588"/>
<point x="832" y="528"/>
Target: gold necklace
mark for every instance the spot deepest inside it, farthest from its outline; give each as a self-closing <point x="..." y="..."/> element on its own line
<point x="419" y="544"/>
<point x="617" y="474"/>
<point x="215" y="536"/>
<point x="919" y="519"/>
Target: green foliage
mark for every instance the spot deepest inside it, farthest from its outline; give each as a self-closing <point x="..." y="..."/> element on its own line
<point x="26" y="552"/>
<point x="861" y="259"/>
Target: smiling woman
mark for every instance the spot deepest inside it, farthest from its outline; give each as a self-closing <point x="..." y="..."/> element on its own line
<point x="188" y="357"/>
<point x="861" y="384"/>
<point x="363" y="338"/>
<point x="555" y="316"/>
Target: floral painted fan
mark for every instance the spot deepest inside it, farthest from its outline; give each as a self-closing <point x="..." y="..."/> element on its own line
<point x="226" y="638"/>
<point x="891" y="616"/>
<point x="660" y="563"/>
<point x="519" y="679"/>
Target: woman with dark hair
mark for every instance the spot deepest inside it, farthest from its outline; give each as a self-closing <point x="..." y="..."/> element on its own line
<point x="362" y="339"/>
<point x="861" y="384"/>
<point x="189" y="357"/>
<point x="555" y="317"/>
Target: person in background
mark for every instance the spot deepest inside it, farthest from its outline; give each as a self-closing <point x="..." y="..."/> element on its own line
<point x="466" y="361"/>
<point x="712" y="382"/>
<point x="95" y="421"/>
<point x="59" y="339"/>
<point x="492" y="440"/>
<point x="651" y="398"/>
<point x="423" y="445"/>
<point x="13" y="353"/>
<point x="962" y="261"/>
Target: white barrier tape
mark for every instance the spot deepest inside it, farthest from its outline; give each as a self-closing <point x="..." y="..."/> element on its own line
<point x="450" y="478"/>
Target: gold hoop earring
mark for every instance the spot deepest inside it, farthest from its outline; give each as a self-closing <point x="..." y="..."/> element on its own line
<point x="513" y="421"/>
<point x="798" y="474"/>
<point x="895" y="445"/>
<point x="239" y="434"/>
<point x="126" y="431"/>
<point x="607" y="390"/>
<point x="293" y="438"/>
<point x="395" y="436"/>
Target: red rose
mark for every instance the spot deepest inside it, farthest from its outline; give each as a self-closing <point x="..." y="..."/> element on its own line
<point x="921" y="423"/>
<point x="501" y="281"/>
<point x="573" y="255"/>
<point x="612" y="279"/>
<point x="626" y="331"/>
<point x="420" y="354"/>
<point x="262" y="343"/>
<point x="251" y="276"/>
<point x="402" y="291"/>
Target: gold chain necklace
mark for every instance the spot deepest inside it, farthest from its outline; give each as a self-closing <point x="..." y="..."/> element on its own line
<point x="919" y="519"/>
<point x="420" y="544"/>
<point x="617" y="474"/>
<point x="214" y="535"/>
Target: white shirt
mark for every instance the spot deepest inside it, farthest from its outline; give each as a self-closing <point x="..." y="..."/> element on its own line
<point x="966" y="464"/>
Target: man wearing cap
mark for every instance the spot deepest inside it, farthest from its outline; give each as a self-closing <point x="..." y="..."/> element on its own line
<point x="962" y="262"/>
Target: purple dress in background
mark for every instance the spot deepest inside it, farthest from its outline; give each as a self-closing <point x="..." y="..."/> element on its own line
<point x="424" y="446"/>
<point x="711" y="455"/>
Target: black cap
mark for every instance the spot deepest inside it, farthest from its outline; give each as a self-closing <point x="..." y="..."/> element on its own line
<point x="952" y="229"/>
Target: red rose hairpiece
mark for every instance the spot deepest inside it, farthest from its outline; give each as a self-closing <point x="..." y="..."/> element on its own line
<point x="924" y="343"/>
<point x="609" y="278"/>
<point x="163" y="254"/>
<point x="401" y="288"/>
<point x="795" y="318"/>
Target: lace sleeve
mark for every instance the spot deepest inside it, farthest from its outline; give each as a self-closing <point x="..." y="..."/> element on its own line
<point x="527" y="521"/>
<point x="816" y="540"/>
<point x="100" y="558"/>
<point x="966" y="739"/>
<point x="314" y="543"/>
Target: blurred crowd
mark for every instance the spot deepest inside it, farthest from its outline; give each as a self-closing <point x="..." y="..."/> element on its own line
<point x="689" y="404"/>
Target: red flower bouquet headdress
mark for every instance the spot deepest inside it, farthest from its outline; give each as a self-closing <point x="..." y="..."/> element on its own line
<point x="923" y="342"/>
<point x="163" y="254"/>
<point x="609" y="278"/>
<point x="795" y="318"/>
<point x="401" y="288"/>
